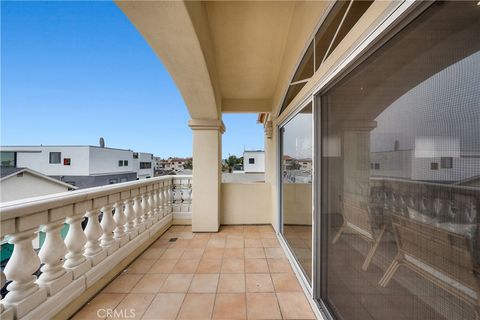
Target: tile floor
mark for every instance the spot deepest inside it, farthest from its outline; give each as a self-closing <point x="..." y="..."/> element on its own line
<point x="240" y="272"/>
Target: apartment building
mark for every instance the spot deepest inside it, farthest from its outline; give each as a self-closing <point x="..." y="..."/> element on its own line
<point x="81" y="166"/>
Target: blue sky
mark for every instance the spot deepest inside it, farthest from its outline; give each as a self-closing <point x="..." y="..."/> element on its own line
<point x="74" y="71"/>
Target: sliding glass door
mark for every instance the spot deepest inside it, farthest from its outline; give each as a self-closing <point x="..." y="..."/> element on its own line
<point x="296" y="187"/>
<point x="400" y="175"/>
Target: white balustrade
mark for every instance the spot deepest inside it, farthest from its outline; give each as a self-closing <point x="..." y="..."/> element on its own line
<point x="54" y="277"/>
<point x="75" y="242"/>
<point x="120" y="220"/>
<point x="72" y="265"/>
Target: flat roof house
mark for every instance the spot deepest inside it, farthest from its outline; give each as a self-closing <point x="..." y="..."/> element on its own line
<point x="334" y="82"/>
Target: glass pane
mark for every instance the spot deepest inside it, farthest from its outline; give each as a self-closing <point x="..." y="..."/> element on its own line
<point x="7" y="159"/>
<point x="292" y="92"/>
<point x="401" y="175"/>
<point x="297" y="187"/>
<point x="356" y="11"/>
<point x="327" y="30"/>
<point x="306" y="68"/>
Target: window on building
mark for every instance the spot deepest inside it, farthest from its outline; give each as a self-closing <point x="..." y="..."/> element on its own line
<point x="446" y="162"/>
<point x="434" y="166"/>
<point x="251" y="160"/>
<point x="67" y="161"/>
<point x="135" y="155"/>
<point x="112" y="181"/>
<point x="120" y="163"/>
<point x="377" y="166"/>
<point x="55" y="157"/>
<point x="8" y="158"/>
<point x="125" y="163"/>
<point x="145" y="165"/>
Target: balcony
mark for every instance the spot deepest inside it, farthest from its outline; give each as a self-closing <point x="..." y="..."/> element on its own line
<point x="126" y="256"/>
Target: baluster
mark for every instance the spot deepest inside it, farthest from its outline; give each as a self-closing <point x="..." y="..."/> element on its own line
<point x="120" y="220"/>
<point x="160" y="201"/>
<point x="24" y="294"/>
<point x="131" y="229"/>
<point x="156" y="202"/>
<point x="169" y="196"/>
<point x="137" y="207"/>
<point x="108" y="225"/>
<point x="151" y="206"/>
<point x="146" y="210"/>
<point x="5" y="313"/>
<point x="93" y="232"/>
<point x="165" y="199"/>
<point x="75" y="242"/>
<point x="54" y="277"/>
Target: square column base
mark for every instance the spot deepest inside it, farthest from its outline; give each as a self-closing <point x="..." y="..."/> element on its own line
<point x="29" y="303"/>
<point x="98" y="257"/>
<point x="57" y="284"/>
<point x="79" y="270"/>
<point x="7" y="314"/>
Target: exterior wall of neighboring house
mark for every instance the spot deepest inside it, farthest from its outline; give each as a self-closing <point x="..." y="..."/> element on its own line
<point x="97" y="180"/>
<point x="107" y="161"/>
<point x="253" y="161"/>
<point x="38" y="159"/>
<point x="141" y="165"/>
<point x="26" y="185"/>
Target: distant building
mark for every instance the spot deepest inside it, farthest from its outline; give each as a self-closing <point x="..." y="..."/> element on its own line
<point x="254" y="161"/>
<point x="81" y="166"/>
<point x="20" y="183"/>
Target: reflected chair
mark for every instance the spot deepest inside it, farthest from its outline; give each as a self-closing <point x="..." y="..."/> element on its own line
<point x="364" y="220"/>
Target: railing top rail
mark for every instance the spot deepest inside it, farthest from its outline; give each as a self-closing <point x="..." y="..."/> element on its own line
<point x="431" y="184"/>
<point x="25" y="207"/>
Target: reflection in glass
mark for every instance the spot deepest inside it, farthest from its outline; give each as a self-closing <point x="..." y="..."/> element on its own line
<point x="401" y="175"/>
<point x="297" y="187"/>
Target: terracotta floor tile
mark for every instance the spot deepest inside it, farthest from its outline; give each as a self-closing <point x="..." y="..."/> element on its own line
<point x="195" y="253"/>
<point x="213" y="253"/>
<point x="197" y="306"/>
<point x="233" y="266"/>
<point x="186" y="266"/>
<point x="253" y="243"/>
<point x="279" y="265"/>
<point x="198" y="243"/>
<point x="259" y="282"/>
<point x="262" y="306"/>
<point x="231" y="283"/>
<point x="152" y="253"/>
<point x="150" y="283"/>
<point x="176" y="283"/>
<point x="209" y="266"/>
<point x="163" y="266"/>
<point x="274" y="253"/>
<point x="294" y="305"/>
<point x="252" y="235"/>
<point x="101" y="301"/>
<point x="133" y="306"/>
<point x="216" y="243"/>
<point x="230" y="306"/>
<point x="164" y="306"/>
<point x="202" y="236"/>
<point x="234" y="253"/>
<point x="123" y="283"/>
<point x="285" y="282"/>
<point x="267" y="235"/>
<point x="254" y="253"/>
<point x="176" y="228"/>
<point x="140" y="265"/>
<point x="270" y="243"/>
<point x="161" y="243"/>
<point x="186" y="235"/>
<point x="256" y="266"/>
<point x="234" y="243"/>
<point x="172" y="253"/>
<point x="180" y="243"/>
<point x="204" y="283"/>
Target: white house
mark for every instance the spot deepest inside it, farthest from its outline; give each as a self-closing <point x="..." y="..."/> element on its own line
<point x="20" y="183"/>
<point x="82" y="166"/>
<point x="254" y="161"/>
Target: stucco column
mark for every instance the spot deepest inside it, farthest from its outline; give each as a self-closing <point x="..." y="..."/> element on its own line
<point x="207" y="174"/>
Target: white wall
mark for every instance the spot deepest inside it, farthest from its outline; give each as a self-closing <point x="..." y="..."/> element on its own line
<point x="258" y="166"/>
<point x="104" y="160"/>
<point x="27" y="186"/>
<point x="37" y="158"/>
<point x="144" y="173"/>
